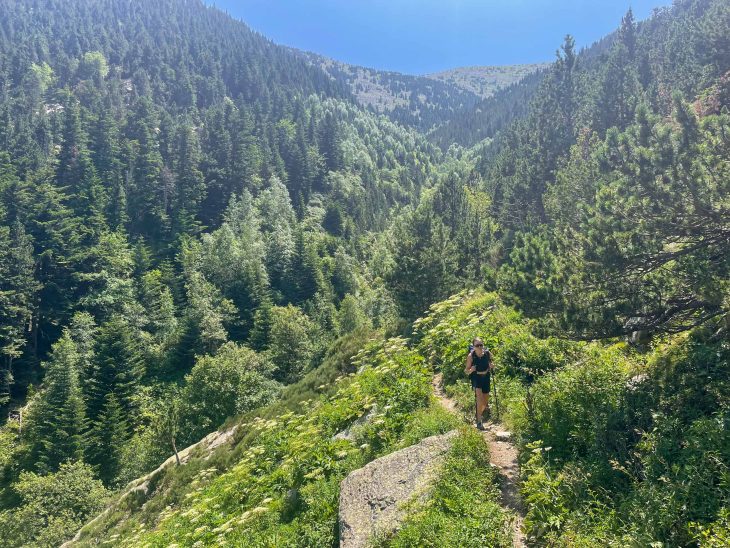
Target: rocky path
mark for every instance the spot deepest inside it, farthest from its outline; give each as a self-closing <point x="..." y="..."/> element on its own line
<point x="503" y="456"/>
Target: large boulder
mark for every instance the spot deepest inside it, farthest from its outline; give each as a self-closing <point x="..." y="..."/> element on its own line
<point x="371" y="498"/>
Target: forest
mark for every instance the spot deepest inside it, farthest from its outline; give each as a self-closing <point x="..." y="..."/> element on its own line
<point x="201" y="228"/>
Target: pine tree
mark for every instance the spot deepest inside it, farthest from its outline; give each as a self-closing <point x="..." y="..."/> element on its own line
<point x="156" y="299"/>
<point x="78" y="176"/>
<point x="151" y="192"/>
<point x="426" y="267"/>
<point x="330" y="142"/>
<point x="18" y="301"/>
<point x="190" y="183"/>
<point x="619" y="91"/>
<point x="305" y="277"/>
<point x="83" y="330"/>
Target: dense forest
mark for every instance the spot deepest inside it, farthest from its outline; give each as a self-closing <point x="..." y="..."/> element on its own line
<point x="198" y="224"/>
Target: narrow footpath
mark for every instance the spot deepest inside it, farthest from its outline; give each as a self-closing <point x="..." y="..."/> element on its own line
<point x="503" y="456"/>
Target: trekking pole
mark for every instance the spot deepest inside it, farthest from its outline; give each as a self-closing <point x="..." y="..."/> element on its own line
<point x="494" y="389"/>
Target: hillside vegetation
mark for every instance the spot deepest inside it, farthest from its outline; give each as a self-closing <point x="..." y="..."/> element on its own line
<point x="434" y="102"/>
<point x="200" y="229"/>
<point x="605" y="432"/>
<point x="618" y="447"/>
<point x="279" y="482"/>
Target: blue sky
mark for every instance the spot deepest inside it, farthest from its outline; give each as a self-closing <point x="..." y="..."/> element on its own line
<point x="422" y="36"/>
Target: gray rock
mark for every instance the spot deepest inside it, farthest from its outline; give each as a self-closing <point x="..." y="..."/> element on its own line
<point x="503" y="435"/>
<point x="350" y="433"/>
<point x="372" y="497"/>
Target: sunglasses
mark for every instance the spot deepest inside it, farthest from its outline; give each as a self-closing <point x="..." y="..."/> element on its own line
<point x="478" y="345"/>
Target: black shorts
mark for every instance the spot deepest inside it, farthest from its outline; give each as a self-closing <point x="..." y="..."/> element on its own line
<point x="481" y="381"/>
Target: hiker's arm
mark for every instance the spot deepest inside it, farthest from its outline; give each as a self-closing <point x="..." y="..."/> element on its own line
<point x="468" y="369"/>
<point x="491" y="362"/>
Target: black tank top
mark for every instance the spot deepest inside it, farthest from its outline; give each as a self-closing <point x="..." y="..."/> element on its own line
<point x="482" y="364"/>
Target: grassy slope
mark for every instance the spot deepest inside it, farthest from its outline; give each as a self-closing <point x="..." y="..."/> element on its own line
<point x="486" y="81"/>
<point x="279" y="484"/>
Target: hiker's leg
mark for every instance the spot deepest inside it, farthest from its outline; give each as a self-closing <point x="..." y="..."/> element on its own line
<point x="480" y="403"/>
<point x="476" y="404"/>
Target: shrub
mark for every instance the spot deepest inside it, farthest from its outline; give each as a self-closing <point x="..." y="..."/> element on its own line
<point x="232" y="382"/>
<point x="576" y="408"/>
<point x="52" y="507"/>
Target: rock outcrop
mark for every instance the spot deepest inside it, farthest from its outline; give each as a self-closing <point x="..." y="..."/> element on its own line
<point x="371" y="498"/>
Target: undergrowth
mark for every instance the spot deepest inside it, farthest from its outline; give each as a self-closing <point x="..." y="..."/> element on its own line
<point x="618" y="447"/>
<point x="283" y="485"/>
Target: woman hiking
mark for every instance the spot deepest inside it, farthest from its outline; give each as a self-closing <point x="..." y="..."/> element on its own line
<point x="479" y="366"/>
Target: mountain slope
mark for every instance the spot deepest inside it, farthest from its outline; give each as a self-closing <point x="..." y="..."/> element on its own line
<point x="485" y="81"/>
<point x="181" y="203"/>
<point x="434" y="102"/>
<point x="414" y="101"/>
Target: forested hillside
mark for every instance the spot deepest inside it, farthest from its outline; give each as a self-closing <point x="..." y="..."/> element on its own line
<point x="451" y="107"/>
<point x="199" y="227"/>
<point x="609" y="199"/>
<point x="188" y="215"/>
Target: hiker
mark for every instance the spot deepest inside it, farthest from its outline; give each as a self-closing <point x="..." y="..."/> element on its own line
<point x="479" y="365"/>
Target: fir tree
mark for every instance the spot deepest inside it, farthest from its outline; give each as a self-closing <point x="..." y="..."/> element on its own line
<point x="58" y="421"/>
<point x="107" y="437"/>
<point x="118" y="369"/>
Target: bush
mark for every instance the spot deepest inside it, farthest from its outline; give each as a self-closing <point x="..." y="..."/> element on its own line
<point x="576" y="409"/>
<point x="232" y="382"/>
<point x="527" y="357"/>
<point x="52" y="507"/>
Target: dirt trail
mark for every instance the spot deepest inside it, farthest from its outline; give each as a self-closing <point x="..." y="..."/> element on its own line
<point x="502" y="455"/>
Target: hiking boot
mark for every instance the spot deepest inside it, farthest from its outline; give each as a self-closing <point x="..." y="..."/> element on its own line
<point x="480" y="426"/>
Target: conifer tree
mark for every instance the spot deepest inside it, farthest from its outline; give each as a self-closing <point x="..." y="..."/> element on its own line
<point x="107" y="437"/>
<point x="190" y="183"/>
<point x="83" y="330"/>
<point x="118" y="369"/>
<point x="150" y="196"/>
<point x="619" y="91"/>
<point x="330" y="142"/>
<point x="156" y="299"/>
<point x="77" y="175"/>
<point x="305" y="277"/>
<point x="18" y="301"/>
<point x="58" y="420"/>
